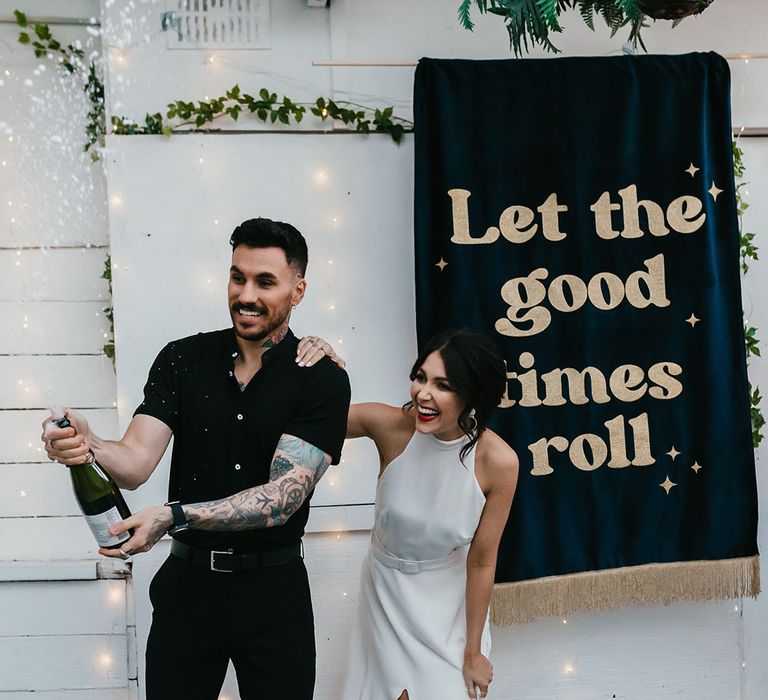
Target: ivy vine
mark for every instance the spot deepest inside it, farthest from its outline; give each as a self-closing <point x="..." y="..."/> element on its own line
<point x="748" y="252"/>
<point x="267" y="107"/>
<point x="109" y="346"/>
<point x="71" y="59"/>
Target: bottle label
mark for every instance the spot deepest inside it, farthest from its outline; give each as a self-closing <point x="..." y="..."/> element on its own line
<point x="100" y="525"/>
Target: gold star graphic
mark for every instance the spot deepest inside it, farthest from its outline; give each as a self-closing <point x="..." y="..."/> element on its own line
<point x="696" y="466"/>
<point x="692" y="320"/>
<point x="714" y="190"/>
<point x="667" y="485"/>
<point x="441" y="264"/>
<point x="673" y="453"/>
<point x="692" y="170"/>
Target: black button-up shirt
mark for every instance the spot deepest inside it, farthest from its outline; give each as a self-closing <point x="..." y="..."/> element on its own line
<point x="224" y="438"/>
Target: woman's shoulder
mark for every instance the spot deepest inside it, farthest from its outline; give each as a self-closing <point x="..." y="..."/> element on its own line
<point x="495" y="456"/>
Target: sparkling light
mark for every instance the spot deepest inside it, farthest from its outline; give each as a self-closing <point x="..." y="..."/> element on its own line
<point x="567" y="669"/>
<point x="105" y="660"/>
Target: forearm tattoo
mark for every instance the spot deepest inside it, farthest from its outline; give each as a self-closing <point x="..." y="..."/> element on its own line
<point x="296" y="468"/>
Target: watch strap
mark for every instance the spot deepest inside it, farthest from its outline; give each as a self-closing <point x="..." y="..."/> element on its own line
<point x="180" y="522"/>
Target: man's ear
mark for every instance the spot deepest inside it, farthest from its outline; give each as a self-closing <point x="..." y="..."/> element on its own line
<point x="298" y="291"/>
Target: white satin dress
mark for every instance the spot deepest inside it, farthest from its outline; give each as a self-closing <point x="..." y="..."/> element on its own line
<point x="410" y="628"/>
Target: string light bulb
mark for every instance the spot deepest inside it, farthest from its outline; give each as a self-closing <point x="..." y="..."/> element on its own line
<point x="567" y="669"/>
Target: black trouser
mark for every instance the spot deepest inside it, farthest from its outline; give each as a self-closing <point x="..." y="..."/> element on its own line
<point x="260" y="619"/>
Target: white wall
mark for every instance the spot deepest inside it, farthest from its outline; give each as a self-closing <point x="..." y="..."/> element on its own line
<point x="703" y="651"/>
<point x="64" y="624"/>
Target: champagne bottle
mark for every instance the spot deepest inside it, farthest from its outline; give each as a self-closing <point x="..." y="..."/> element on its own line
<point x="98" y="496"/>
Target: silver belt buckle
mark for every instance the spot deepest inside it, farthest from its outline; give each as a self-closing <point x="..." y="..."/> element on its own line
<point x="213" y="562"/>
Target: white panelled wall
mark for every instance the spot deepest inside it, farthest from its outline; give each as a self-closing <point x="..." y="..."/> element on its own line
<point x="72" y="630"/>
<point x="66" y="624"/>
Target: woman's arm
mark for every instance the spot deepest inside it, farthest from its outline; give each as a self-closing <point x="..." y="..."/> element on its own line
<point x="498" y="468"/>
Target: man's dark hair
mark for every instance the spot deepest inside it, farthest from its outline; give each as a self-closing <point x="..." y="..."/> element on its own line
<point x="265" y="233"/>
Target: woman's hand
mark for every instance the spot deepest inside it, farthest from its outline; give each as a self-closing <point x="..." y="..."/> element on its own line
<point x="311" y="349"/>
<point x="478" y="672"/>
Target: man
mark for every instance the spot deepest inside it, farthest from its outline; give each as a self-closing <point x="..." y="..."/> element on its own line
<point x="254" y="431"/>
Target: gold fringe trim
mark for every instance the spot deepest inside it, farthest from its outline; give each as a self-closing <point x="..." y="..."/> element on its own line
<point x="658" y="584"/>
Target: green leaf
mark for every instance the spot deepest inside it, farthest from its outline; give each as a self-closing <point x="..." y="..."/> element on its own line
<point x="42" y="31"/>
<point x="464" y="18"/>
<point x="24" y="38"/>
<point x="21" y="18"/>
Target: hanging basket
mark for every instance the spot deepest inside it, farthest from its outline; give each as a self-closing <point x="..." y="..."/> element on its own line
<point x="673" y="9"/>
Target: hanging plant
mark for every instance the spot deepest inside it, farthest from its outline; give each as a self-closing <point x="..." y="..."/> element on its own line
<point x="531" y="21"/>
<point x="673" y="9"/>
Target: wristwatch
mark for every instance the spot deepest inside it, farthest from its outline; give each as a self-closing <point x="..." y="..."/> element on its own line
<point x="180" y="522"/>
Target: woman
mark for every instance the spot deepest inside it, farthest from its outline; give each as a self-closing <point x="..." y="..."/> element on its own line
<point x="445" y="487"/>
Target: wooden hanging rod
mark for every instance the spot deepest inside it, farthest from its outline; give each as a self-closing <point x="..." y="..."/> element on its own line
<point x="55" y="21"/>
<point x="413" y="64"/>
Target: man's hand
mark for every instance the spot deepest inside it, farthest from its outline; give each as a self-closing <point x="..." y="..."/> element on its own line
<point x="312" y="349"/>
<point x="148" y="526"/>
<point x="67" y="445"/>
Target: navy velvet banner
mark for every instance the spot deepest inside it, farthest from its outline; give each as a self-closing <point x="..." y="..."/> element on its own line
<point x="581" y="212"/>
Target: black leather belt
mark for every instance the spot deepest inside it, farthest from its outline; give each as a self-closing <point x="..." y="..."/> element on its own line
<point x="228" y="561"/>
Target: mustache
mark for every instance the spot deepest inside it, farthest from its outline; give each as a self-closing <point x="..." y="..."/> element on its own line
<point x="237" y="306"/>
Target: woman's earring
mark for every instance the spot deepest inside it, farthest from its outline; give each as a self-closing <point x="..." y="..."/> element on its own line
<point x="473" y="418"/>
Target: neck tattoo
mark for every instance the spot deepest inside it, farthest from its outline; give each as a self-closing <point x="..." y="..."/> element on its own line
<point x="276" y="337"/>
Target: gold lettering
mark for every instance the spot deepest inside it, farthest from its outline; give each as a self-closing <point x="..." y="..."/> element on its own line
<point x="603" y="221"/>
<point x="460" y="210"/>
<point x="523" y="293"/>
<point x="506" y="402"/>
<point x="578" y="455"/>
<point x="550" y="218"/>
<point x="528" y="382"/>
<point x="515" y="224"/>
<point x="631" y="213"/>
<point x="662" y="375"/>
<point x="615" y="291"/>
<point x="627" y="383"/>
<point x="577" y="394"/>
<point x="540" y="452"/>
<point x="618" y="443"/>
<point x="642" y="441"/>
<point x="576" y="287"/>
<point x="654" y="281"/>
<point x="682" y="213"/>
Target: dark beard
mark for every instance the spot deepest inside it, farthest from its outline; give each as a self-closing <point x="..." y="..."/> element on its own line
<point x="276" y="328"/>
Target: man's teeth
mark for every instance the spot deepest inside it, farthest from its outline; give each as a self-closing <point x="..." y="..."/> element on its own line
<point x="249" y="314"/>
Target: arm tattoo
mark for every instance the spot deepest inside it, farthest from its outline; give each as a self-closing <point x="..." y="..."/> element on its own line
<point x="296" y="468"/>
